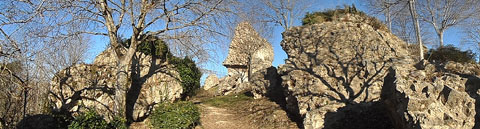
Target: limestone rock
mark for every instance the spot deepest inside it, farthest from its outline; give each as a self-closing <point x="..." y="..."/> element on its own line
<point x="232" y="85"/>
<point x="211" y="81"/>
<point x="336" y="64"/>
<point x="93" y="85"/>
<point x="470" y="69"/>
<point x="266" y="83"/>
<point x="248" y="46"/>
<point x="432" y="100"/>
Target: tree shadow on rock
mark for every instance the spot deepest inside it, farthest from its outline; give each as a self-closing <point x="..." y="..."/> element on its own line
<point x="369" y="115"/>
<point x="471" y="87"/>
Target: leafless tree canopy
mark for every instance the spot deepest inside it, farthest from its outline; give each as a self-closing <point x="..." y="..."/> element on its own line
<point x="445" y="14"/>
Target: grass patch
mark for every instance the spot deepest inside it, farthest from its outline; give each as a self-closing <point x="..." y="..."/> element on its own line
<point x="179" y="115"/>
<point x="228" y="100"/>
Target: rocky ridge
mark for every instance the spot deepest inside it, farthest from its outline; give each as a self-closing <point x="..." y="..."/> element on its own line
<point x="339" y="71"/>
<point x="92" y="85"/>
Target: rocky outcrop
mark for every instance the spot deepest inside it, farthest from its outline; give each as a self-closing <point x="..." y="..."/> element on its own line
<point x="93" y="85"/>
<point x="248" y="47"/>
<point x="211" y="81"/>
<point x="249" y="53"/>
<point x="266" y="83"/>
<point x="428" y="99"/>
<point x="232" y="85"/>
<point x="336" y="64"/>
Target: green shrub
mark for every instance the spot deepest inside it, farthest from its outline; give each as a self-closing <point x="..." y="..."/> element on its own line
<point x="151" y="45"/>
<point x="450" y="53"/>
<point x="189" y="73"/>
<point x="334" y="15"/>
<point x="89" y="120"/>
<point x="92" y="120"/>
<point x="179" y="115"/>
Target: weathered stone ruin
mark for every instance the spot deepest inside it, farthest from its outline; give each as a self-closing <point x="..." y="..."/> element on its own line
<point x="247" y="48"/>
<point x="211" y="81"/>
<point x="432" y="98"/>
<point x="92" y="85"/>
<point x="334" y="65"/>
<point x="347" y="71"/>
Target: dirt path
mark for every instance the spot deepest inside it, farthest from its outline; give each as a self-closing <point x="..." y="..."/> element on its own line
<point x="219" y="118"/>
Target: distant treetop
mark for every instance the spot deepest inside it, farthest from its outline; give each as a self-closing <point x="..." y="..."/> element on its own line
<point x="341" y="15"/>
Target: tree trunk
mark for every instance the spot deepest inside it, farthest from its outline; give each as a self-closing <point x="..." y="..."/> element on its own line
<point x="388" y="18"/>
<point x="25" y="92"/>
<point x="440" y="37"/>
<point x="249" y="67"/>
<point x="413" y="13"/>
<point x="123" y="81"/>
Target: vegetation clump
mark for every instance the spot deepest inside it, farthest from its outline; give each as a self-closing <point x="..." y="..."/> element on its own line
<point x="450" y="53"/>
<point x="92" y="120"/>
<point x="190" y="74"/>
<point x="179" y="115"/>
<point x="338" y="14"/>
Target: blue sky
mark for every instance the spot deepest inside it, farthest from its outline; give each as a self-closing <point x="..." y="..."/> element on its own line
<point x="452" y="36"/>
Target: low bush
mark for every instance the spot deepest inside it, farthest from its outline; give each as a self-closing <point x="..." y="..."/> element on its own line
<point x="179" y="115"/>
<point x="450" y="53"/>
<point x="335" y="15"/>
<point x="92" y="120"/>
<point x="189" y="73"/>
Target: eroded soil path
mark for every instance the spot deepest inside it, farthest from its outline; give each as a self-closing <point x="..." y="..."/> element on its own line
<point x="220" y="118"/>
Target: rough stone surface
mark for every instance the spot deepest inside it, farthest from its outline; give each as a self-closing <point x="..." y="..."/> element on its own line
<point x="92" y="85"/>
<point x="247" y="48"/>
<point x="211" y="81"/>
<point x="247" y="45"/>
<point x="232" y="85"/>
<point x="428" y="99"/>
<point x="336" y="64"/>
<point x="266" y="83"/>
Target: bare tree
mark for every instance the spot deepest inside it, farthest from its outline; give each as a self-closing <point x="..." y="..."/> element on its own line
<point x="178" y="22"/>
<point x="444" y="14"/>
<point x="413" y="13"/>
<point x="31" y="40"/>
<point x="390" y="9"/>
<point x="285" y="12"/>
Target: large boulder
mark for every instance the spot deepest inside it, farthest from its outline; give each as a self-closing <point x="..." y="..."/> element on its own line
<point x="429" y="99"/>
<point x="266" y="83"/>
<point x="93" y="85"/>
<point x="211" y="81"/>
<point x="248" y="46"/>
<point x="336" y="64"/>
<point x="249" y="53"/>
<point x="232" y="85"/>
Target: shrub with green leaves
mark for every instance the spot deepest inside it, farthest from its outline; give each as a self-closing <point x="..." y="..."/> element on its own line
<point x="179" y="115"/>
<point x="151" y="46"/>
<point x="450" y="53"/>
<point x="189" y="73"/>
<point x="92" y="120"/>
<point x="334" y="15"/>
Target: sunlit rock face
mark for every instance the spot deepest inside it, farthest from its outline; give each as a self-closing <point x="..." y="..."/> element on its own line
<point x="247" y="48"/>
<point x="211" y="81"/>
<point x="336" y="64"/>
<point x="432" y="98"/>
<point x="92" y="85"/>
